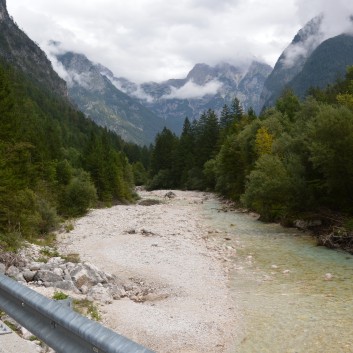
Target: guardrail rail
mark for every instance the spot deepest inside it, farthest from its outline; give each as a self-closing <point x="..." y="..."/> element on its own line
<point x="58" y="325"/>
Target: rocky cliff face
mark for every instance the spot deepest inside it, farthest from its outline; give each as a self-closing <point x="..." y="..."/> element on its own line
<point x="291" y="61"/>
<point x="204" y="87"/>
<point x="3" y="10"/>
<point x="106" y="105"/>
<point x="325" y="65"/>
<point x="17" y="49"/>
<point x="309" y="61"/>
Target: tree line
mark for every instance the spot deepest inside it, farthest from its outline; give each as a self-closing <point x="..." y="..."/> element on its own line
<point x="54" y="162"/>
<point x="295" y="159"/>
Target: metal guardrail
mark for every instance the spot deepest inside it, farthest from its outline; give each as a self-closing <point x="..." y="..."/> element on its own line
<point x="59" y="326"/>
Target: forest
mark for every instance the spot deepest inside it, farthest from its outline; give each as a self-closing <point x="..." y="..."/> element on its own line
<point x="294" y="161"/>
<point x="54" y="162"/>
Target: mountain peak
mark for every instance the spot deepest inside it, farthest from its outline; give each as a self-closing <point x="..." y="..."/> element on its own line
<point x="3" y="10"/>
<point x="199" y="73"/>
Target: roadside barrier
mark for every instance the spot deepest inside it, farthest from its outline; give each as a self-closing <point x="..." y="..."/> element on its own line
<point x="58" y="325"/>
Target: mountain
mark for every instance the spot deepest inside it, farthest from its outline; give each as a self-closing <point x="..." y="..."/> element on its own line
<point x="326" y="64"/>
<point x="17" y="49"/>
<point x="291" y="61"/>
<point x="204" y="87"/>
<point x="54" y="162"/>
<point x="95" y="95"/>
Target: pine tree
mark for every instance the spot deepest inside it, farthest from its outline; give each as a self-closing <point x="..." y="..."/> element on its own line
<point x="237" y="110"/>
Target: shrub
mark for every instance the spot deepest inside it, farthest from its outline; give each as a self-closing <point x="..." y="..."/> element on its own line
<point x="79" y="195"/>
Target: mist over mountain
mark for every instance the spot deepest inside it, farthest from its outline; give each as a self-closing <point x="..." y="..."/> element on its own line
<point x="327" y="64"/>
<point x="317" y="56"/>
<point x="106" y="105"/>
<point x="291" y="61"/>
<point x="205" y="87"/>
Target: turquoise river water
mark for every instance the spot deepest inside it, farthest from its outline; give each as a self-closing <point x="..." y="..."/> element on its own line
<point x="286" y="303"/>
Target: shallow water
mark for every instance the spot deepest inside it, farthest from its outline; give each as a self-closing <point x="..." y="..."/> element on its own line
<point x="285" y="303"/>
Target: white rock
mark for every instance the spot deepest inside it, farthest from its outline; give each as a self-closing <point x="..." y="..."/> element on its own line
<point x="58" y="271"/>
<point x="328" y="276"/>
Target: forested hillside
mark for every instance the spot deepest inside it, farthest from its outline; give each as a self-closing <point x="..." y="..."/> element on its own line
<point x="294" y="161"/>
<point x="54" y="162"/>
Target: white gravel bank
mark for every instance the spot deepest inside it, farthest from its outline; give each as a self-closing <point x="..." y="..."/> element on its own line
<point x="164" y="246"/>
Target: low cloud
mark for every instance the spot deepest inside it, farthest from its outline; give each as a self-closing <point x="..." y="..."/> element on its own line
<point x="53" y="49"/>
<point x="331" y="18"/>
<point x="192" y="90"/>
<point x="311" y="36"/>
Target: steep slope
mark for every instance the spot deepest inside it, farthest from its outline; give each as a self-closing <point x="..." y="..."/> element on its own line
<point x="291" y="61"/>
<point x="17" y="49"/>
<point x="326" y="64"/>
<point x="106" y="105"/>
<point x="53" y="160"/>
<point x="204" y="87"/>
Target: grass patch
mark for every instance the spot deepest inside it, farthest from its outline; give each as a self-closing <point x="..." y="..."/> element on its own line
<point x="149" y="202"/>
<point x="73" y="257"/>
<point x="87" y="308"/>
<point x="59" y="295"/>
<point x="69" y="226"/>
<point x="11" y="326"/>
<point x="49" y="240"/>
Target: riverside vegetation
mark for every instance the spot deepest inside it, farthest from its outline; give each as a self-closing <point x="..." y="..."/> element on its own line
<point x="294" y="161"/>
<point x="54" y="163"/>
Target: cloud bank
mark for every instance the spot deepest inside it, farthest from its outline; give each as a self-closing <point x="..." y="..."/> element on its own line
<point x="192" y="90"/>
<point x="154" y="40"/>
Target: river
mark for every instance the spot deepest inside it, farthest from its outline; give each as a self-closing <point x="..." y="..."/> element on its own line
<point x="282" y="283"/>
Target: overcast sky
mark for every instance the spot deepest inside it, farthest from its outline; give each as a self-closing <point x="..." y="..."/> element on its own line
<point x="159" y="39"/>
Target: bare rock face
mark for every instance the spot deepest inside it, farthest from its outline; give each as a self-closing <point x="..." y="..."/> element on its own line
<point x="3" y="10"/>
<point x="17" y="49"/>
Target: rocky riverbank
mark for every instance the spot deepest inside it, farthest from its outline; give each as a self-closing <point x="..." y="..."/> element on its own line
<point x="156" y="273"/>
<point x="165" y="247"/>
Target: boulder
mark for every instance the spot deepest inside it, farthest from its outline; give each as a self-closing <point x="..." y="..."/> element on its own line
<point x="12" y="271"/>
<point x="304" y="225"/>
<point x="64" y="285"/>
<point x="87" y="275"/>
<point x="28" y="275"/>
<point x="2" y="268"/>
<point x="55" y="262"/>
<point x="19" y="278"/>
<point x="117" y="292"/>
<point x="35" y="266"/>
<point x="100" y="293"/>
<point x="47" y="276"/>
<point x="170" y="195"/>
<point x="59" y="272"/>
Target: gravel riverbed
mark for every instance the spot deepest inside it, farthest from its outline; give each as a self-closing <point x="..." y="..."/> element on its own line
<point x="167" y="248"/>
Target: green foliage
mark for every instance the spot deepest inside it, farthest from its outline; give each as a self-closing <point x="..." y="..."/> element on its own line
<point x="87" y="308"/>
<point x="288" y="104"/>
<point x="59" y="295"/>
<point x="268" y="188"/>
<point x="296" y="158"/>
<point x="53" y="161"/>
<point x="78" y="196"/>
<point x="140" y="173"/>
<point x="330" y="142"/>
